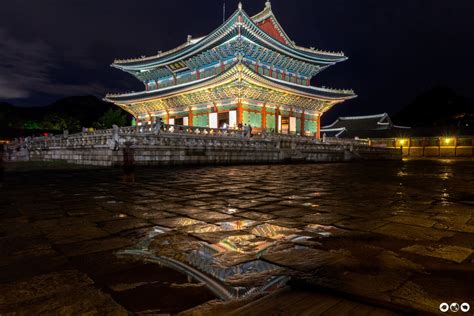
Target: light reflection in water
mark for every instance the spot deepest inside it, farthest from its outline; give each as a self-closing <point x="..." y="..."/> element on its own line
<point x="234" y="260"/>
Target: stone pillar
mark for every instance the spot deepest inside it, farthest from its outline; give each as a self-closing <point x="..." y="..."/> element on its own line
<point x="302" y="132"/>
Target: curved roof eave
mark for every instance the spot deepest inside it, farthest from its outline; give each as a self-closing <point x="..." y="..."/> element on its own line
<point x="191" y="49"/>
<point x="307" y="91"/>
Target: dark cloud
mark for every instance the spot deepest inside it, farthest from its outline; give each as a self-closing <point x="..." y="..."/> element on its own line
<point x="397" y="49"/>
<point x="28" y="67"/>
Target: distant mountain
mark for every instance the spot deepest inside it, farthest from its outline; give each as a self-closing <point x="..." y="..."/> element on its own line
<point x="438" y="107"/>
<point x="71" y="113"/>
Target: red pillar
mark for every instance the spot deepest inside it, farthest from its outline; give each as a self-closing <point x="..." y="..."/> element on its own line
<point x="277" y="112"/>
<point x="190" y="117"/>
<point x="167" y="117"/>
<point x="318" y="133"/>
<point x="264" y="116"/>
<point x="240" y="114"/>
<point x="198" y="74"/>
<point x="302" y="124"/>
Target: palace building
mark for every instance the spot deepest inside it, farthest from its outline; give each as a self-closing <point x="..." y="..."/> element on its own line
<point x="247" y="71"/>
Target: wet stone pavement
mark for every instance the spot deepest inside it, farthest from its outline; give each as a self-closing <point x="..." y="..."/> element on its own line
<point x="373" y="238"/>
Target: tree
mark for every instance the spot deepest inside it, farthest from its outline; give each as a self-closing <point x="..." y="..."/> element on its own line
<point x="60" y="122"/>
<point x="111" y="117"/>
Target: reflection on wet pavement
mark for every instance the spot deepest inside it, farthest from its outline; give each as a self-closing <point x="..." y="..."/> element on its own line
<point x="398" y="234"/>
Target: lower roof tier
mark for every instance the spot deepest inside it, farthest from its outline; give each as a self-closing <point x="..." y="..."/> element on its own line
<point x="238" y="82"/>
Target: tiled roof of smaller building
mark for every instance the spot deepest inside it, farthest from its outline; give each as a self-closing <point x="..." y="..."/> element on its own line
<point x="377" y="125"/>
<point x="358" y="123"/>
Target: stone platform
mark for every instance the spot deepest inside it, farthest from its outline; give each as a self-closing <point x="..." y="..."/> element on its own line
<point x="184" y="145"/>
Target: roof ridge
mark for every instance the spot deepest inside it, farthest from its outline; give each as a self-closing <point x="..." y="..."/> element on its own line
<point x="361" y="117"/>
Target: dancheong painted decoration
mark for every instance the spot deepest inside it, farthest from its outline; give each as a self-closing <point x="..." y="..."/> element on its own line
<point x="247" y="71"/>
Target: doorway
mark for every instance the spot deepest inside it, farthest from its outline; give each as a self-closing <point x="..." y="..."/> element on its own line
<point x="285" y="125"/>
<point x="178" y="121"/>
<point x="223" y="118"/>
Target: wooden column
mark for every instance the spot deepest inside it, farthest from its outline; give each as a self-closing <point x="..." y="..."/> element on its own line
<point x="198" y="74"/>
<point x="167" y="117"/>
<point x="302" y="123"/>
<point x="240" y="114"/>
<point x="264" y="116"/>
<point x="277" y="112"/>
<point x="318" y="128"/>
<point x="190" y="117"/>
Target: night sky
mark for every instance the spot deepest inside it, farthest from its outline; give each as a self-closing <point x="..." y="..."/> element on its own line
<point x="397" y="49"/>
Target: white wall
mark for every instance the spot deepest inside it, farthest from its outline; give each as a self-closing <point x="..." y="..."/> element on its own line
<point x="213" y="120"/>
<point x="233" y="119"/>
<point x="292" y="124"/>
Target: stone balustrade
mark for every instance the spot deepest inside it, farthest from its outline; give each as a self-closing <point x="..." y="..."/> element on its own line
<point x="173" y="144"/>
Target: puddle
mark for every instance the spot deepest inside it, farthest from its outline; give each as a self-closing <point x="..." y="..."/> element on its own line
<point x="230" y="268"/>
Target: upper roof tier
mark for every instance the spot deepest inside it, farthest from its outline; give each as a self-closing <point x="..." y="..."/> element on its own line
<point x="263" y="29"/>
<point x="240" y="73"/>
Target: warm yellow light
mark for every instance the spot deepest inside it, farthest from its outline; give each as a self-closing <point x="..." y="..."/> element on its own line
<point x="447" y="140"/>
<point x="403" y="142"/>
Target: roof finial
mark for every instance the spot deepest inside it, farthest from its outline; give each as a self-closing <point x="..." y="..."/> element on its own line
<point x="190" y="37"/>
<point x="240" y="6"/>
<point x="268" y="5"/>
